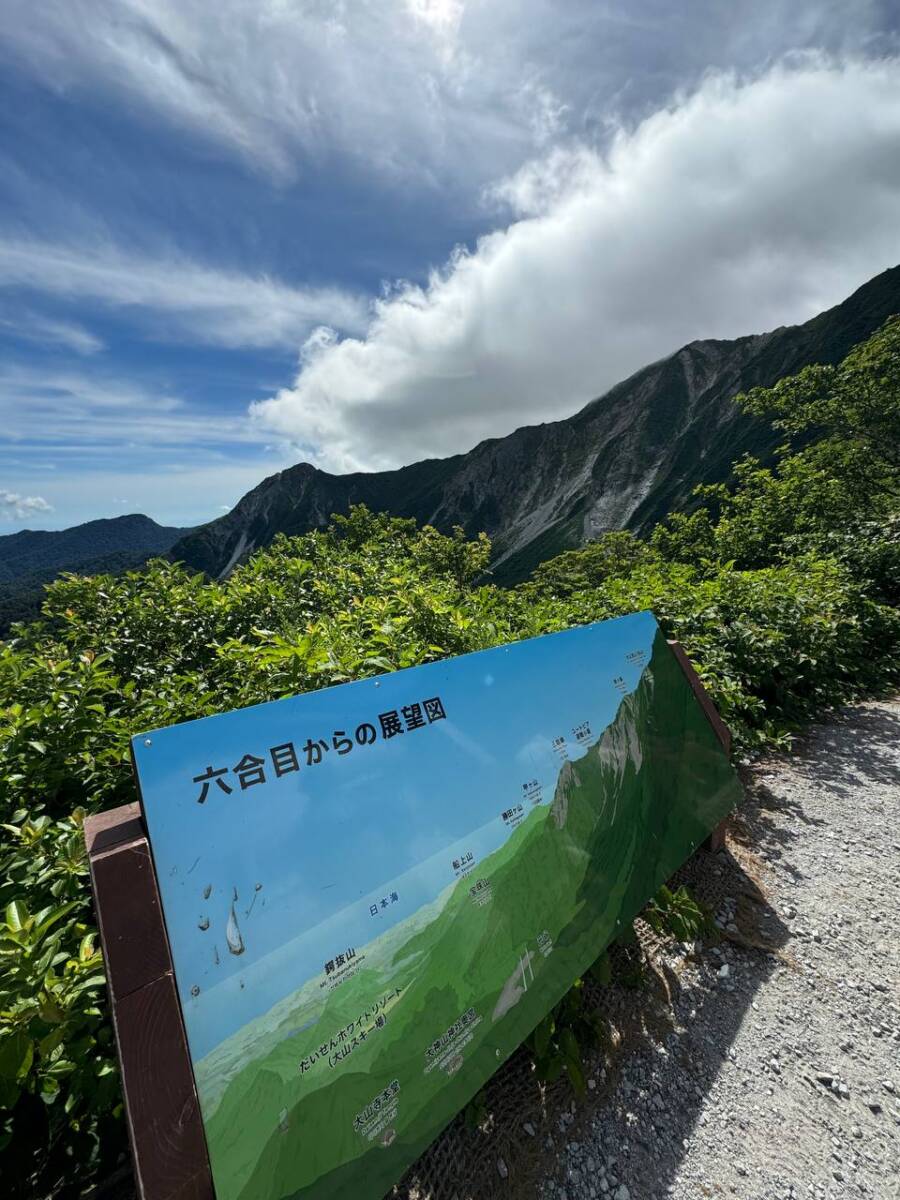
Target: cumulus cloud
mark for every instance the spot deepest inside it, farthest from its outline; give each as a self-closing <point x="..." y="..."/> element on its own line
<point x="177" y="298"/>
<point x="746" y="204"/>
<point x="16" y="507"/>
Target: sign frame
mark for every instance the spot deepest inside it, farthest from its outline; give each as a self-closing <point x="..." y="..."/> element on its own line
<point x="165" y="1127"/>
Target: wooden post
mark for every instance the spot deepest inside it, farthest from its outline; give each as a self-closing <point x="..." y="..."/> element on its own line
<point x="164" y="1125"/>
<point x="716" y="839"/>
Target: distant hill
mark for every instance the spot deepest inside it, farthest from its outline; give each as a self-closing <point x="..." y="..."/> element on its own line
<point x="624" y="461"/>
<point x="31" y="558"/>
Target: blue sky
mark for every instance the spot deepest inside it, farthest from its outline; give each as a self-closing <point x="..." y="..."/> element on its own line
<point x="328" y="840"/>
<point x="360" y="234"/>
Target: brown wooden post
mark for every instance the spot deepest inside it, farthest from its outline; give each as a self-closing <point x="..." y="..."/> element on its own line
<point x="164" y="1125"/>
<point x="716" y="839"/>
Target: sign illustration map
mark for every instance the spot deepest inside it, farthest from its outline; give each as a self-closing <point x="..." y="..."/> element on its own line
<point x="374" y="892"/>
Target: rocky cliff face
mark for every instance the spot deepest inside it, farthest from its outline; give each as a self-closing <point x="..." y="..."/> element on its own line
<point x="621" y="463"/>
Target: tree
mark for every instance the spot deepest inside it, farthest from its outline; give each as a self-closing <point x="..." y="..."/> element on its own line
<point x="611" y="555"/>
<point x="840" y="472"/>
<point x="852" y="406"/>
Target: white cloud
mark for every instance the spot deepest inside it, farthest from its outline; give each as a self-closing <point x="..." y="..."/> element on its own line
<point x="187" y="493"/>
<point x="45" y="331"/>
<point x="742" y="206"/>
<point x="178" y="299"/>
<point x="92" y="411"/>
<point x="390" y="83"/>
<point x="16" y="507"/>
<point x="178" y="493"/>
<point x="449" y="92"/>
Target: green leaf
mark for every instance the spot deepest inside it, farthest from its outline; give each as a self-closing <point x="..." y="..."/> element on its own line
<point x="569" y="1045"/>
<point x="50" y="1041"/>
<point x="542" y="1035"/>
<point x="628" y="936"/>
<point x="16" y="1055"/>
<point x="550" y="1069"/>
<point x="16" y="915"/>
<point x="576" y="1074"/>
<point x="601" y="971"/>
<point x="571" y="1052"/>
<point x="54" y="915"/>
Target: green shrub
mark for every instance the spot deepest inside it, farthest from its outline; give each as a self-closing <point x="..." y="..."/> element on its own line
<point x="114" y="655"/>
<point x="560" y="1041"/>
<point x="59" y="1090"/>
<point x="679" y="914"/>
<point x="773" y="646"/>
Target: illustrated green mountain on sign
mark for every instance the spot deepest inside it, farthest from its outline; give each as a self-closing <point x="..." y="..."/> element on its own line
<point x="473" y="977"/>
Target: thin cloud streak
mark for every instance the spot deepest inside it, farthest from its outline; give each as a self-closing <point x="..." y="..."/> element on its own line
<point x="392" y="85"/>
<point x="431" y="91"/>
<point x="177" y="299"/>
<point x="45" y="331"/>
<point x="81" y="437"/>
<point x="96" y="421"/>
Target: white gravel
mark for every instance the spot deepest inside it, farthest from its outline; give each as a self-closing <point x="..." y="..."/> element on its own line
<point x="778" y="1075"/>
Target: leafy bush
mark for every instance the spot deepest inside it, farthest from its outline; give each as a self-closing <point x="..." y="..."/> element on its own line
<point x="781" y="590"/>
<point x="679" y="914"/>
<point x="114" y="655"/>
<point x="773" y="646"/>
<point x="58" y="1084"/>
<point x="558" y="1043"/>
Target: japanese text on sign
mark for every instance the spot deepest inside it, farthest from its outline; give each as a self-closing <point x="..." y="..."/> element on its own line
<point x="251" y="769"/>
<point x="346" y="1040"/>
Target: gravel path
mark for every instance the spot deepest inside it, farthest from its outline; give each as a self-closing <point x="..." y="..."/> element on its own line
<point x="777" y="1071"/>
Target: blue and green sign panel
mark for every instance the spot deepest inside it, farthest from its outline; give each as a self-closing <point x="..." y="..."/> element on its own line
<point x="373" y="893"/>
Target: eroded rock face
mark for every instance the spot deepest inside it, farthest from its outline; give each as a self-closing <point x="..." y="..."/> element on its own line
<point x="568" y="779"/>
<point x="623" y="462"/>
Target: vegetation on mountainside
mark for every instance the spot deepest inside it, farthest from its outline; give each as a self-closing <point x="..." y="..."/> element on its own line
<point x="31" y="558"/>
<point x="782" y="589"/>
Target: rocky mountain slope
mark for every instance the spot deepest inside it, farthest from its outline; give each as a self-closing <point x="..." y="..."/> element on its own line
<point x="621" y="462"/>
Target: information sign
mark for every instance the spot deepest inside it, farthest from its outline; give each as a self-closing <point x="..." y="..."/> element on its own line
<point x="374" y="892"/>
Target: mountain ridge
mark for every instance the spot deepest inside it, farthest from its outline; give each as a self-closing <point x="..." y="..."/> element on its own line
<point x="622" y="461"/>
<point x="29" y="550"/>
<point x="31" y="558"/>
